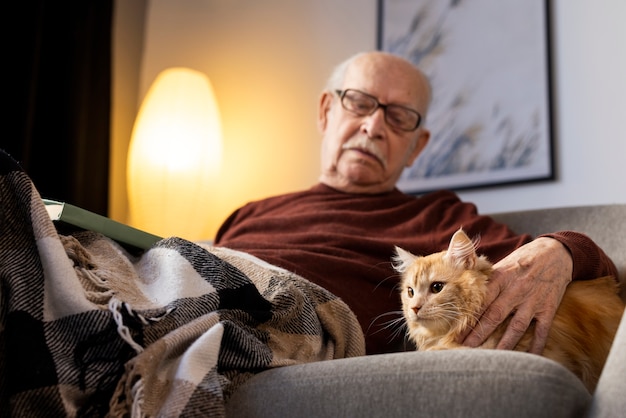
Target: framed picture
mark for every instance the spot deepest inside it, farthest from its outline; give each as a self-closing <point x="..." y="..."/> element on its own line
<point x="489" y="66"/>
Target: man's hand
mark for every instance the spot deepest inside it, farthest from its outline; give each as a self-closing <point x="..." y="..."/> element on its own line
<point x="529" y="284"/>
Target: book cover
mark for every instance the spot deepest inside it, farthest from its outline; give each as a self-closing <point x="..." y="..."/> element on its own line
<point x="84" y="219"/>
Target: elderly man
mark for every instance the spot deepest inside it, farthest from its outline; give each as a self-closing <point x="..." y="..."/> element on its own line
<point x="341" y="232"/>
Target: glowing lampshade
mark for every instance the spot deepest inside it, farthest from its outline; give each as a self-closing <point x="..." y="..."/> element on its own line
<point x="175" y="155"/>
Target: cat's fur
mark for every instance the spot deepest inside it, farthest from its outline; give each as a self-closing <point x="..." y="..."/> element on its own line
<point x="443" y="293"/>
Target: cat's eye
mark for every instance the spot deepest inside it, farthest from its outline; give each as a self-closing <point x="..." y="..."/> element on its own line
<point x="436" y="287"/>
<point x="410" y="292"/>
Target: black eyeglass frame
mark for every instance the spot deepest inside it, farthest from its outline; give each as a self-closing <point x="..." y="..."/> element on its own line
<point x="342" y="95"/>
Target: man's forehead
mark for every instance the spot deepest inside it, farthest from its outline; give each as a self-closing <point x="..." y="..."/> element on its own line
<point x="384" y="76"/>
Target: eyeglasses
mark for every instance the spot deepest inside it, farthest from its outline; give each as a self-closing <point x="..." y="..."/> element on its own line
<point x="363" y="104"/>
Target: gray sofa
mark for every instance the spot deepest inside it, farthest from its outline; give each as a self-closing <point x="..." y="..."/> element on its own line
<point x="464" y="383"/>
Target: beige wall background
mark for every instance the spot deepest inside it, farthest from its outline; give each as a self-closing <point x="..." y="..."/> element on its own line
<point x="268" y="61"/>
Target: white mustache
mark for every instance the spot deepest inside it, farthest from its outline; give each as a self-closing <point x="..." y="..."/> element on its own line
<point x="363" y="143"/>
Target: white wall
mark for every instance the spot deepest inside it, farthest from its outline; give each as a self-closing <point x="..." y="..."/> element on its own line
<point x="269" y="59"/>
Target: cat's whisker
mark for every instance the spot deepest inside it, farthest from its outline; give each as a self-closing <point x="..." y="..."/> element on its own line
<point x="401" y="329"/>
<point x="386" y="314"/>
<point x="397" y="323"/>
<point x="394" y="288"/>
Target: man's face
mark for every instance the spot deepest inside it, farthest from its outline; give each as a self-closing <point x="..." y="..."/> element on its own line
<point x="364" y="154"/>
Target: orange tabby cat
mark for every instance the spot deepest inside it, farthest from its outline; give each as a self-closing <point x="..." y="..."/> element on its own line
<point x="443" y="293"/>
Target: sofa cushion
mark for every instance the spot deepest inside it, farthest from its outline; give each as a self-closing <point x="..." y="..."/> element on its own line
<point x="468" y="383"/>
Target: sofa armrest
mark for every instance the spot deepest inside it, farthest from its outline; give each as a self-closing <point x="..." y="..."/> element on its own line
<point x="609" y="399"/>
<point x="605" y="224"/>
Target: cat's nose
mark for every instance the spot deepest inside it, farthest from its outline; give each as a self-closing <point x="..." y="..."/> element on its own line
<point x="416" y="309"/>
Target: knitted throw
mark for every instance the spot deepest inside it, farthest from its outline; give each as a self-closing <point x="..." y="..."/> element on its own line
<point x="87" y="329"/>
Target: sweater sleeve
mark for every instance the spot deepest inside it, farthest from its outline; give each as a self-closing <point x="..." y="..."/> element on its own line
<point x="590" y="261"/>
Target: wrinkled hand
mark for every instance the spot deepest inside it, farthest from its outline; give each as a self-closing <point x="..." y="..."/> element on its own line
<point x="529" y="283"/>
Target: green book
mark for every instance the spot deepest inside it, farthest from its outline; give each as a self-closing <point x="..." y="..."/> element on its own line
<point x="84" y="219"/>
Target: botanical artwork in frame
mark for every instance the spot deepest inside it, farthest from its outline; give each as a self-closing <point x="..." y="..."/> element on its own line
<point x="488" y="63"/>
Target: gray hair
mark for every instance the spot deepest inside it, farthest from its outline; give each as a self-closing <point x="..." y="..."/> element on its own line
<point x="336" y="78"/>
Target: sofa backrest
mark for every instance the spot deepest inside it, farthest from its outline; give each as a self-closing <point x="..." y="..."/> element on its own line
<point x="605" y="224"/>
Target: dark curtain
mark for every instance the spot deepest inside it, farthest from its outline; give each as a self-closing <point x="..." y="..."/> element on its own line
<point x="59" y="120"/>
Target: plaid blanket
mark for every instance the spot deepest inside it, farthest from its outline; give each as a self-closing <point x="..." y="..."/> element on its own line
<point x="87" y="329"/>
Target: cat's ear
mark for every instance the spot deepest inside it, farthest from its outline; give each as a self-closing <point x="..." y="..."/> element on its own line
<point x="462" y="250"/>
<point x="402" y="260"/>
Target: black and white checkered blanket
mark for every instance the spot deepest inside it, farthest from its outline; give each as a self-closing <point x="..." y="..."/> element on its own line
<point x="86" y="329"/>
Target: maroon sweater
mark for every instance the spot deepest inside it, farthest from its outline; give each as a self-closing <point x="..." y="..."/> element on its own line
<point x="344" y="243"/>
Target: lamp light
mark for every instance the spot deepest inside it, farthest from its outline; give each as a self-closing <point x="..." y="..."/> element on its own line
<point x="174" y="156"/>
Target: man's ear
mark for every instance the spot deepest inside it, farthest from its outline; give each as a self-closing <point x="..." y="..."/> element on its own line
<point x="420" y="144"/>
<point x="326" y="100"/>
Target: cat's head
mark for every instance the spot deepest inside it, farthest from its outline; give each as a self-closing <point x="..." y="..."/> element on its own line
<point x="443" y="291"/>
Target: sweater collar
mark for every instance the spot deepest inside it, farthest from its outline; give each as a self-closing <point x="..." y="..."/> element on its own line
<point x="326" y="189"/>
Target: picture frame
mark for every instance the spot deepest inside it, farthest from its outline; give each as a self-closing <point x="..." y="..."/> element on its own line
<point x="489" y="66"/>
